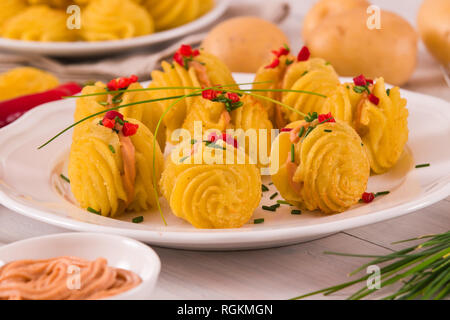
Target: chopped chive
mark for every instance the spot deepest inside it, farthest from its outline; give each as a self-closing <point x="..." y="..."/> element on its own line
<point x="193" y="141"/>
<point x="302" y="131"/>
<point x="119" y="121"/>
<point x="296" y="212"/>
<point x="93" y="211"/>
<point x="274" y="196"/>
<point x="309" y="131"/>
<point x="264" y="188"/>
<point x="271" y="208"/>
<point x="304" y="73"/>
<point x="271" y="184"/>
<point x="112" y="149"/>
<point x="103" y="103"/>
<point x="286" y="47"/>
<point x="388" y="92"/>
<point x="64" y="178"/>
<point x="184" y="158"/>
<point x="383" y="193"/>
<point x="289" y="62"/>
<point x="292" y="153"/>
<point x="283" y="202"/>
<point x="327" y="130"/>
<point x="327" y="63"/>
<point x="423" y="165"/>
<point x="139" y="219"/>
<point x="258" y="221"/>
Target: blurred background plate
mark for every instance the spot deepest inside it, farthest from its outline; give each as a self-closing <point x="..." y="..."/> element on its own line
<point x="85" y="48"/>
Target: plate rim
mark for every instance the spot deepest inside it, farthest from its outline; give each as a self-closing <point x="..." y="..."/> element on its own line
<point x="80" y="48"/>
<point x="217" y="239"/>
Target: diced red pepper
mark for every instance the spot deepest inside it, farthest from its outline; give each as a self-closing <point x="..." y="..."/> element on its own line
<point x="374" y="99"/>
<point x="368" y="197"/>
<point x="129" y="129"/>
<point x="304" y="54"/>
<point x="234" y="97"/>
<point x="283" y="51"/>
<point x="326" y="118"/>
<point x="210" y="94"/>
<point x="275" y="63"/>
<point x="286" y="130"/>
<point x="230" y="140"/>
<point x="113" y="114"/>
<point x="108" y="123"/>
<point x="360" y="80"/>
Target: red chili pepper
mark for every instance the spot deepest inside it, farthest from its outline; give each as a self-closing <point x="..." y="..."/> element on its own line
<point x="304" y="54"/>
<point x="374" y="99"/>
<point x="12" y="109"/>
<point x="275" y="63"/>
<point x="367" y="197"/>
<point x="360" y="80"/>
<point x="129" y="129"/>
<point x="326" y="118"/>
<point x="108" y="123"/>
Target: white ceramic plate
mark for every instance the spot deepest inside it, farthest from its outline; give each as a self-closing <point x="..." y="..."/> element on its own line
<point x="29" y="182"/>
<point x="84" y="48"/>
<point x="120" y="252"/>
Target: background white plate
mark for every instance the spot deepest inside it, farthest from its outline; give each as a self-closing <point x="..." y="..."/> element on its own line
<point x="28" y="177"/>
<point x="84" y="48"/>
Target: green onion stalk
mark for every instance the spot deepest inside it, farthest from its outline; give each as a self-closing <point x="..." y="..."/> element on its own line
<point x="423" y="270"/>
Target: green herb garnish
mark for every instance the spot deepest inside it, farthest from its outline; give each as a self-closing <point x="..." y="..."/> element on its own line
<point x="289" y="62"/>
<point x="423" y="165"/>
<point x="274" y="196"/>
<point x="283" y="202"/>
<point x="302" y="131"/>
<point x="112" y="148"/>
<point x="64" y="178"/>
<point x="309" y="131"/>
<point x="93" y="211"/>
<point x="292" y="153"/>
<point x="272" y="208"/>
<point x="388" y="92"/>
<point x="296" y="212"/>
<point x="311" y="117"/>
<point x="258" y="221"/>
<point x="383" y="193"/>
<point x="264" y="188"/>
<point x="327" y="130"/>
<point x="138" y="219"/>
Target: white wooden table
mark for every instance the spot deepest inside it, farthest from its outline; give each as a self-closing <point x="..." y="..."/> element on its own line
<point x="286" y="272"/>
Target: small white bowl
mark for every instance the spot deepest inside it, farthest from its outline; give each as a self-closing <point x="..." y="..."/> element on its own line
<point x="120" y="252"/>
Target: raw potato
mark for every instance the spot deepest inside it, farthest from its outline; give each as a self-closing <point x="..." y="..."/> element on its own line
<point x="434" y="28"/>
<point x="326" y="8"/>
<point x="353" y="49"/>
<point x="244" y="43"/>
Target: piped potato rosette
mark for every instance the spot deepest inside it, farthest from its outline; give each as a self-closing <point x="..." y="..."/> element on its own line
<point x="115" y="19"/>
<point x="289" y="73"/>
<point x="244" y="115"/>
<point x="111" y="165"/>
<point x="170" y="14"/>
<point x="190" y="69"/>
<point x="147" y="113"/>
<point x="206" y="190"/>
<point x="378" y="115"/>
<point x="320" y="164"/>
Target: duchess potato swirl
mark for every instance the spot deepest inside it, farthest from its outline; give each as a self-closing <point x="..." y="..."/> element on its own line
<point x="313" y="75"/>
<point x="330" y="169"/>
<point x="210" y="195"/>
<point x="49" y="26"/>
<point x="115" y="19"/>
<point x="96" y="167"/>
<point x="209" y="71"/>
<point x="147" y="113"/>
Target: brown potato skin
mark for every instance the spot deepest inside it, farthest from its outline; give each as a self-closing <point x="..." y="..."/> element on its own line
<point x="326" y="8"/>
<point x="434" y="28"/>
<point x="353" y="49"/>
<point x="244" y="43"/>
